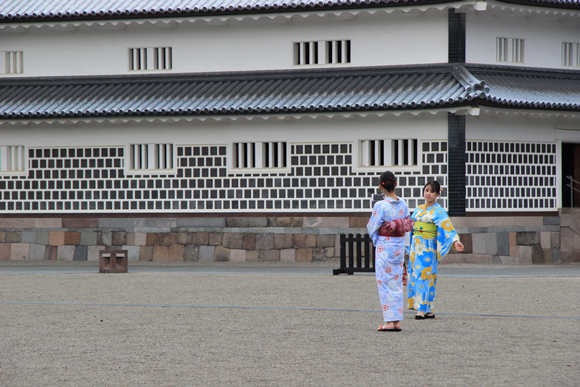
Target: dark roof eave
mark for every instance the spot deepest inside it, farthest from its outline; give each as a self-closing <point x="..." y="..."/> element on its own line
<point x="250" y="12"/>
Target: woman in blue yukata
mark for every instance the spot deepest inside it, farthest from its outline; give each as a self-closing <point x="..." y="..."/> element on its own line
<point x="433" y="237"/>
<point x="386" y="227"/>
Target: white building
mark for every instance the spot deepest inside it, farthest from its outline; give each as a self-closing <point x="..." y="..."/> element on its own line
<point x="165" y="116"/>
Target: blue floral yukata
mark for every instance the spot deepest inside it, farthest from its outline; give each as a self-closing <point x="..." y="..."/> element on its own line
<point x="389" y="257"/>
<point x="425" y="253"/>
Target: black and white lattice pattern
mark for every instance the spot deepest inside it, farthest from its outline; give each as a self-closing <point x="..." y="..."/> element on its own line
<point x="320" y="178"/>
<point x="505" y="176"/>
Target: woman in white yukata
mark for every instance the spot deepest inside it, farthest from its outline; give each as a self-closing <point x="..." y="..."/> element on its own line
<point x="386" y="229"/>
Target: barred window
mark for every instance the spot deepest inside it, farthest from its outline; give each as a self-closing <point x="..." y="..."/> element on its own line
<point x="150" y="58"/>
<point x="151" y="156"/>
<point x="388" y="152"/>
<point x="323" y="52"/>
<point x="260" y="155"/>
<point x="12" y="158"/>
<point x="11" y="62"/>
<point x="510" y="50"/>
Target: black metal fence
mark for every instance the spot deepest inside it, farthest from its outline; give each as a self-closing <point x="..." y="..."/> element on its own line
<point x="361" y="254"/>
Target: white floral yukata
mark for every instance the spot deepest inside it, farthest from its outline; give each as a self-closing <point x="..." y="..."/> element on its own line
<point x="389" y="257"/>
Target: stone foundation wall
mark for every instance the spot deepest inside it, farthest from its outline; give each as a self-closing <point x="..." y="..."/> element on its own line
<point x="501" y="240"/>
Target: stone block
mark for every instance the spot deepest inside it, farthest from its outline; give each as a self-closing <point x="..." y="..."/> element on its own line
<point x="566" y="232"/>
<point x="2" y="236"/>
<point x="478" y="241"/>
<point x="160" y="253"/>
<point x="245" y="222"/>
<point x="133" y="253"/>
<point x="80" y="222"/>
<point x="503" y="243"/>
<point x="496" y="259"/>
<point x="16" y="223"/>
<point x="65" y="253"/>
<point x="319" y="254"/>
<point x="575" y="256"/>
<point x="191" y="253"/>
<point x="358" y="222"/>
<point x="326" y="240"/>
<point x="527" y="238"/>
<point x="285" y="221"/>
<point x="81" y="253"/>
<point x="104" y="238"/>
<point x="304" y="255"/>
<point x="152" y="239"/>
<point x="551" y="220"/>
<point x="233" y="240"/>
<point x="183" y="238"/>
<point x="56" y="238"/>
<point x="13" y="236"/>
<point x="50" y="253"/>
<point x="513" y="239"/>
<point x="575" y="226"/>
<point x="537" y="255"/>
<point x="20" y="251"/>
<point x="510" y="260"/>
<point x="566" y="219"/>
<point x="304" y="240"/>
<point x="252" y="256"/>
<point x="525" y="255"/>
<point x="567" y="244"/>
<point x="146" y="253"/>
<point x="215" y="239"/>
<point x="175" y="253"/>
<point x="88" y="238"/>
<point x="328" y="222"/>
<point x="36" y="252"/>
<point x="72" y="238"/>
<point x="200" y="238"/>
<point x="269" y="255"/>
<point x="221" y="254"/>
<point x="264" y="241"/>
<point x="556" y="255"/>
<point x="548" y="256"/>
<point x="545" y="239"/>
<point x="555" y="239"/>
<point x="122" y="223"/>
<point x="167" y="238"/>
<point x="514" y="251"/>
<point x="529" y="221"/>
<point x="237" y="255"/>
<point x="93" y="252"/>
<point x="283" y="241"/>
<point x="48" y="223"/>
<point x="206" y="253"/>
<point x="42" y="237"/>
<point x="576" y="242"/>
<point x="202" y="222"/>
<point x="491" y="243"/>
<point x="119" y="238"/>
<point x="288" y="255"/>
<point x="154" y="223"/>
<point x="28" y="237"/>
<point x="249" y="241"/>
<point x="565" y="257"/>
<point x="452" y="258"/>
<point x="330" y="252"/>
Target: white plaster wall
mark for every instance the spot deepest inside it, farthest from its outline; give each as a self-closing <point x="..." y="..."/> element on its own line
<point x="543" y="37"/>
<point x="237" y="46"/>
<point x="512" y="127"/>
<point x="285" y="128"/>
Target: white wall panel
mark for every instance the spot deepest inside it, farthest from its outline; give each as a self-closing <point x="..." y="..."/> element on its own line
<point x="247" y="45"/>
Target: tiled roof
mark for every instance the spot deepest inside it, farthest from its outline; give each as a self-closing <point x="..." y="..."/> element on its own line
<point x="30" y="11"/>
<point x="530" y="88"/>
<point x="362" y="90"/>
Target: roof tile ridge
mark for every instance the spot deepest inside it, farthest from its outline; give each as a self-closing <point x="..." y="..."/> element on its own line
<point x="470" y="82"/>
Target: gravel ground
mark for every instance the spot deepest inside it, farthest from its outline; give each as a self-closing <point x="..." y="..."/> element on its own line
<point x="263" y="327"/>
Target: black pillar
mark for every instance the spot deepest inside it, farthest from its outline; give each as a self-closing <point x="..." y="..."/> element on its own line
<point x="456" y="164"/>
<point x="456" y="46"/>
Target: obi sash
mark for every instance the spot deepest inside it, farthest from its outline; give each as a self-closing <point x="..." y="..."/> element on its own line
<point x="396" y="228"/>
<point x="425" y="230"/>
